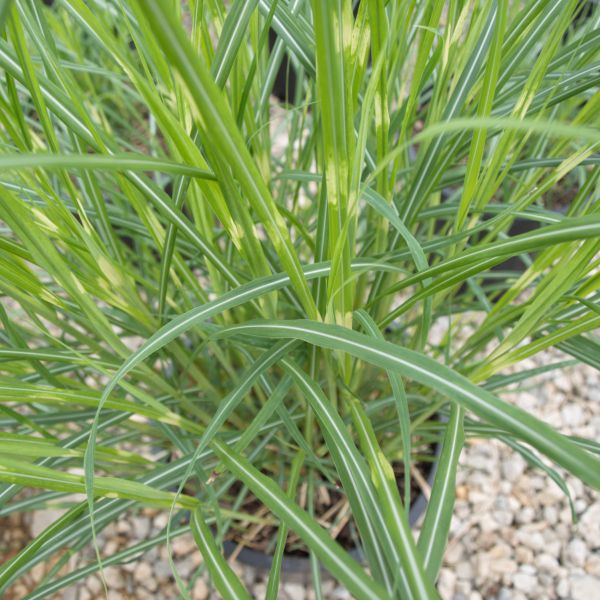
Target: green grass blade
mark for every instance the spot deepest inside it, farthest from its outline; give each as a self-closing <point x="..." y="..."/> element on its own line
<point x="385" y="483"/>
<point x="399" y="392"/>
<point x="23" y="473"/>
<point x="120" y="162"/>
<point x="275" y="573"/>
<point x="226" y="581"/>
<point x="436" y="525"/>
<point x="218" y="129"/>
<point x="353" y="473"/>
<point x="230" y="40"/>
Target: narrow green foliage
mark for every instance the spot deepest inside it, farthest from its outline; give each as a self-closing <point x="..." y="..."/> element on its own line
<point x="275" y="573"/>
<point x="259" y="253"/>
<point x="224" y="578"/>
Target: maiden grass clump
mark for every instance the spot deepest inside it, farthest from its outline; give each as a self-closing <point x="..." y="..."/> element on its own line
<point x="206" y="301"/>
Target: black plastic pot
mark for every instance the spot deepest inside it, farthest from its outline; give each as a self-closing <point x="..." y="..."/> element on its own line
<point x="301" y="565"/>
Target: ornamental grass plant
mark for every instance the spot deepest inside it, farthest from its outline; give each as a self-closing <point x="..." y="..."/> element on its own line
<point x="233" y="308"/>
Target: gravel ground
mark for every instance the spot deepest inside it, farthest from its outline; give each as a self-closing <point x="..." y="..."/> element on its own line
<point x="511" y="538"/>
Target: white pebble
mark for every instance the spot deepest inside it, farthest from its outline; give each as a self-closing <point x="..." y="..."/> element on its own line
<point x="94" y="585"/>
<point x="464" y="570"/>
<point x="525" y="582"/>
<point x="523" y="555"/>
<point x="531" y="539"/>
<point x="563" y="589"/>
<point x="550" y="514"/>
<point x="526" y="515"/>
<point x="446" y="583"/>
<point x="339" y="593"/>
<point x="584" y="587"/>
<point x="123" y="526"/>
<point x="576" y="552"/>
<point x="592" y="565"/>
<point x="84" y="594"/>
<point x="182" y="545"/>
<point x="200" y="591"/>
<point x="186" y="567"/>
<point x="114" y="577"/>
<point x="141" y="527"/>
<point x="503" y="566"/>
<point x="589" y="525"/>
<point x="546" y="562"/>
<point x="572" y="415"/>
<point x="142" y="571"/>
<point x="513" y="467"/>
<point x="162" y="569"/>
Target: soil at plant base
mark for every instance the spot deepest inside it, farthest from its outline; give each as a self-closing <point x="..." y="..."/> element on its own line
<point x="332" y="511"/>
